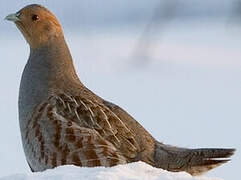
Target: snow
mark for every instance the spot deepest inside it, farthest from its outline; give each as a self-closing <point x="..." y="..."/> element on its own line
<point x="132" y="171"/>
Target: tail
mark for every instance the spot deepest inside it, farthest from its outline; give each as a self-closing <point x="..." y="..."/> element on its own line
<point x="193" y="161"/>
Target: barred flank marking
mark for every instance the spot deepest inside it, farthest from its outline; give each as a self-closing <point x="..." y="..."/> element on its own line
<point x="46" y="159"/>
<point x="42" y="149"/>
<point x="65" y="153"/>
<point x="76" y="160"/>
<point x="77" y="140"/>
<point x="91" y="154"/>
<point x="70" y="134"/>
<point x="37" y="132"/>
<point x="42" y="107"/>
<point x="79" y="144"/>
<point x="35" y="122"/>
<point x="63" y="160"/>
<point x="57" y="135"/>
<point x="54" y="159"/>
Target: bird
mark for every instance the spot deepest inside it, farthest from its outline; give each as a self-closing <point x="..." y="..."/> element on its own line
<point x="62" y="122"/>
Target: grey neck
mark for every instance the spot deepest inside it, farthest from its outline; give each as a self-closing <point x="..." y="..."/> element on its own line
<point x="48" y="68"/>
<point x="52" y="62"/>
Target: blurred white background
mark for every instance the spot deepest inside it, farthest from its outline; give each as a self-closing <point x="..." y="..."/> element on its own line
<point x="175" y="65"/>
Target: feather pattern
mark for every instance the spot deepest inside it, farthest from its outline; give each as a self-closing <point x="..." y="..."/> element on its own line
<point x="69" y="129"/>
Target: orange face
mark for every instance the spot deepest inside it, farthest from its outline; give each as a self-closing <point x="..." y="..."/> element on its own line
<point x="37" y="24"/>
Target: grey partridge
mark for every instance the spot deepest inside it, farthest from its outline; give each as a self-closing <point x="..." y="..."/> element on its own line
<point x="62" y="122"/>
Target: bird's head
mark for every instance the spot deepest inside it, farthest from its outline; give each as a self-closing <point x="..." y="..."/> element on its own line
<point x="37" y="24"/>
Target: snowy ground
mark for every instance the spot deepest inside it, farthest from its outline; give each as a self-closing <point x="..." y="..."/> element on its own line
<point x="133" y="171"/>
<point x="187" y="93"/>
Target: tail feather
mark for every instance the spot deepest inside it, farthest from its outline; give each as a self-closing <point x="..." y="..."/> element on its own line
<point x="214" y="152"/>
<point x="193" y="161"/>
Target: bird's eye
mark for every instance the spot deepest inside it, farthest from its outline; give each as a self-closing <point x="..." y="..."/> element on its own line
<point x="35" y="17"/>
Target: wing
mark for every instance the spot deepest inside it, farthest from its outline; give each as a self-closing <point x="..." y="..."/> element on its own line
<point x="75" y="130"/>
<point x="145" y="141"/>
<point x="94" y="115"/>
<point x="56" y="138"/>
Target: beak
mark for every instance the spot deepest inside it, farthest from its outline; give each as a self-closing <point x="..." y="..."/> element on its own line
<point x="12" y="17"/>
